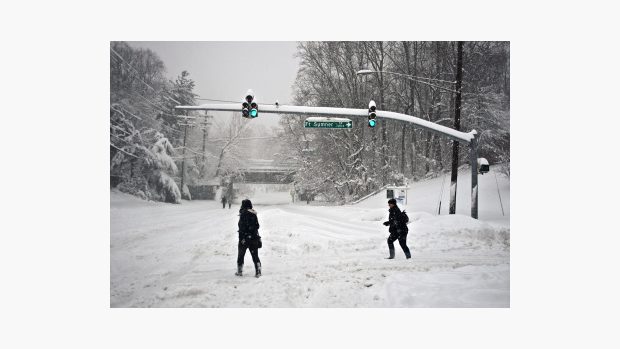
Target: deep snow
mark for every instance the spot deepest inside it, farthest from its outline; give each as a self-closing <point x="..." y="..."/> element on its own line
<point x="425" y="196"/>
<point x="165" y="255"/>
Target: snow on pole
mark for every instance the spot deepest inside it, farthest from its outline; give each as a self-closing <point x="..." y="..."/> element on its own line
<point x="329" y="111"/>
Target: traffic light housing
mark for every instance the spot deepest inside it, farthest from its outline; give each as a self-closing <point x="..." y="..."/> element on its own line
<point x="254" y="110"/>
<point x="372" y="114"/>
<point x="250" y="107"/>
<point x="245" y="111"/>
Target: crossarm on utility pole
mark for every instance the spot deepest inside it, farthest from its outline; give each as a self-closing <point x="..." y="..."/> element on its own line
<point x="329" y="111"/>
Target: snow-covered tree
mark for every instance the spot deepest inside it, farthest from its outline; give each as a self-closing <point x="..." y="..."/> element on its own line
<point x="143" y="123"/>
<point x="162" y="167"/>
<point x="178" y="92"/>
<point x="232" y="153"/>
<point x="347" y="164"/>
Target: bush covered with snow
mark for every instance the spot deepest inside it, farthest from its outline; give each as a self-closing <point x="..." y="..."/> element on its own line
<point x="145" y="172"/>
<point x="137" y="186"/>
<point x="186" y="194"/>
<point x="165" y="188"/>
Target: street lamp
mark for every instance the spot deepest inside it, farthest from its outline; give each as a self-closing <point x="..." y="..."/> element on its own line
<point x="364" y="72"/>
<point x="410" y="77"/>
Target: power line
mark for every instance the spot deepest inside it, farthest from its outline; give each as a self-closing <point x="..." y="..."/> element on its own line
<point x="113" y="108"/>
<point x="215" y="100"/>
<point x="435" y="86"/>
<point x="170" y="128"/>
<point x="155" y="106"/>
<point x="162" y="124"/>
<point x="172" y="99"/>
<point x="137" y="157"/>
<point x="134" y="69"/>
<point x="188" y="149"/>
<point x="223" y="100"/>
<point x="152" y="103"/>
<point x="138" y="76"/>
<point x="118" y="127"/>
<point x="422" y="77"/>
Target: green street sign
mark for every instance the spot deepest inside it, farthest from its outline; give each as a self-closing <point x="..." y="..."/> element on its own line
<point x="323" y="122"/>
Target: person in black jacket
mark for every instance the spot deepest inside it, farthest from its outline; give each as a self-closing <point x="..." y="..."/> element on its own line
<point x="398" y="229"/>
<point x="248" y="237"/>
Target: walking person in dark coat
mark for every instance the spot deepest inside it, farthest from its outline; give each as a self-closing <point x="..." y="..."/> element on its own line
<point x="398" y="229"/>
<point x="224" y="201"/>
<point x="248" y="237"/>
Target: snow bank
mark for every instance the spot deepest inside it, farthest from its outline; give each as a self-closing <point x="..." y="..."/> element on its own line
<point x="424" y="196"/>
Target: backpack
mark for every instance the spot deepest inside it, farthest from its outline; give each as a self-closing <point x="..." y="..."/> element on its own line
<point x="404" y="217"/>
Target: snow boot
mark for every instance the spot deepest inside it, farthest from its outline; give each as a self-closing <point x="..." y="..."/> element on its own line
<point x="408" y="255"/>
<point x="392" y="253"/>
<point x="258" y="273"/>
<point x="239" y="270"/>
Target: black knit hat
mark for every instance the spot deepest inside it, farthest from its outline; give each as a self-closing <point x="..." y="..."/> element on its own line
<point x="246" y="203"/>
<point x="392" y="201"/>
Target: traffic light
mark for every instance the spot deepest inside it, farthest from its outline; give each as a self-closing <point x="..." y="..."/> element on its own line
<point x="250" y="108"/>
<point x="245" y="112"/>
<point x="372" y="114"/>
<point x="254" y="110"/>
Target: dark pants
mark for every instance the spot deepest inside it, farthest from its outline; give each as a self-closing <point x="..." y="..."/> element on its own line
<point x="253" y="252"/>
<point x="402" y="240"/>
<point x="223" y="204"/>
<point x="229" y="204"/>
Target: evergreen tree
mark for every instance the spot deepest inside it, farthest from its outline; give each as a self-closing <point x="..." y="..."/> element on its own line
<point x="143" y="121"/>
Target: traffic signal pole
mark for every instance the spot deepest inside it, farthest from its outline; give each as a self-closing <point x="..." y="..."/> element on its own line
<point x="473" y="158"/>
<point x="469" y="138"/>
<point x="294" y="109"/>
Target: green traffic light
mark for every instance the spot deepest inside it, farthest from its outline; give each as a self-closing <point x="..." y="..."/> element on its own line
<point x="372" y="123"/>
<point x="254" y="113"/>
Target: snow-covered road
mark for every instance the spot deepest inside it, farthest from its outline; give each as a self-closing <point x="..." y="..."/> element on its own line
<point x="165" y="255"/>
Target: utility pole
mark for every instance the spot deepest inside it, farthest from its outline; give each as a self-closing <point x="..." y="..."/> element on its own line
<point x="457" y="126"/>
<point x="204" y="142"/>
<point x="183" y="162"/>
<point x="186" y="123"/>
<point x="204" y="145"/>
